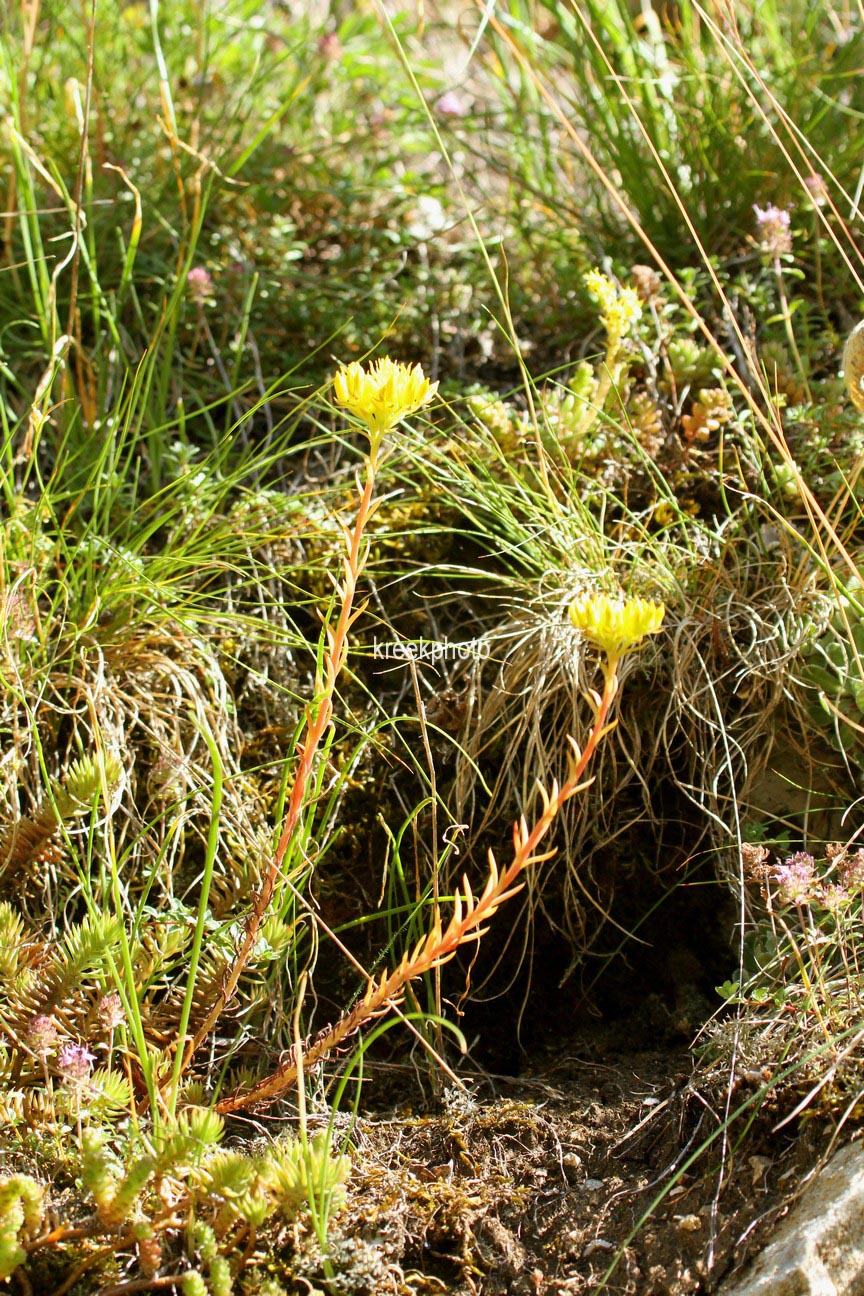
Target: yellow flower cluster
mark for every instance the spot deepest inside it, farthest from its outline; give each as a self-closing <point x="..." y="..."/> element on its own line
<point x="619" y="307"/>
<point x="382" y="394"/>
<point x="616" y="625"/>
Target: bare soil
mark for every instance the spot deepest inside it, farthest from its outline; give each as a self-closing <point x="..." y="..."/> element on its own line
<point x="577" y="1179"/>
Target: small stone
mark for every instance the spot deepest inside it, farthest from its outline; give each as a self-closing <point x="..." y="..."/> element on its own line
<point x="818" y="1250"/>
<point x="592" y="1185"/>
<point x="688" y="1223"/>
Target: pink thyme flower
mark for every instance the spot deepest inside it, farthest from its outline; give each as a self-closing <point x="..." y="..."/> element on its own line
<point x="451" y="105"/>
<point x="42" y="1034"/>
<point x="329" y="46"/>
<point x="199" y="281"/>
<point x="75" y="1061"/>
<point x="794" y="879"/>
<point x="834" y="898"/>
<point x="111" y="1011"/>
<point x="772" y="224"/>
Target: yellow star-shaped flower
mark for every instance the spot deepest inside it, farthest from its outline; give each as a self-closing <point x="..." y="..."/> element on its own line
<point x="616" y="625"/>
<point x="383" y="394"/>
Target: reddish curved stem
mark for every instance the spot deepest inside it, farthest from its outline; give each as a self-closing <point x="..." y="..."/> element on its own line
<point x="441" y="944"/>
<point x="318" y="717"/>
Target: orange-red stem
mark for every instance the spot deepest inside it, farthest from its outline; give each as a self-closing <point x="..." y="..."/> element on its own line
<point x="318" y="719"/>
<point x="440" y="945"/>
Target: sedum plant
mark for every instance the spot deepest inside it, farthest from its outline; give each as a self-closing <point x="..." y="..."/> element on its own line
<point x="147" y="1137"/>
<point x="217" y="1198"/>
<point x="616" y="627"/>
<point x="22" y="1209"/>
<point x="833" y="668"/>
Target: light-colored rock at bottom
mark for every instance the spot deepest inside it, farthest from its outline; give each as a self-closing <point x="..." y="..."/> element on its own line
<point x="818" y="1250"/>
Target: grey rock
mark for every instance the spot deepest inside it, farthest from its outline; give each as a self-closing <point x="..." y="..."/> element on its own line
<point x="818" y="1250"/>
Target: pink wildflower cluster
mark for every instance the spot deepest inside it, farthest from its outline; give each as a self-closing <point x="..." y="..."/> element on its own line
<point x="330" y="46"/>
<point x="75" y="1061"/>
<point x="798" y="881"/>
<point x="199" y="281"/>
<point x="451" y="105"/>
<point x="834" y="897"/>
<point x="42" y="1035"/>
<point x="111" y="1011"/>
<point x="773" y="229"/>
<point x="795" y="879"/>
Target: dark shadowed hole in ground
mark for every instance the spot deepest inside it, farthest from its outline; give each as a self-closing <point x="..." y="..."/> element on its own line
<point x="543" y="1169"/>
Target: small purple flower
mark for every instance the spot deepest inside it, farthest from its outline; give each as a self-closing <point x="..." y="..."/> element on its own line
<point x="75" y="1061"/>
<point x="772" y="224"/>
<point x="42" y="1034"/>
<point x="451" y="105"/>
<point x="199" y="281"/>
<point x="794" y="879"/>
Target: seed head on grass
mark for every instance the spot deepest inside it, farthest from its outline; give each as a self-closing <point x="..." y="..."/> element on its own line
<point x="383" y="394"/>
<point x="616" y="625"/>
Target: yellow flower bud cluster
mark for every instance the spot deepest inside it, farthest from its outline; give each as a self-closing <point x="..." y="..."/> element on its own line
<point x="616" y="625"/>
<point x="619" y="307"/>
<point x="382" y="394"/>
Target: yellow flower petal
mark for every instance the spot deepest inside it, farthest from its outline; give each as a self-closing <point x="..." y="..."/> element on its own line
<point x="616" y="625"/>
<point x="382" y="394"/>
<point x="619" y="307"/>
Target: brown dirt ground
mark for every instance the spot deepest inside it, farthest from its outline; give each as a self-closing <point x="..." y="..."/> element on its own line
<point x="566" y="1182"/>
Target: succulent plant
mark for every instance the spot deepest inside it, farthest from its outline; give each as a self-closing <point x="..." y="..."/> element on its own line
<point x="834" y="669"/>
